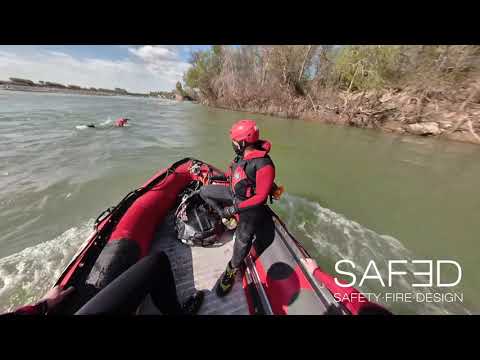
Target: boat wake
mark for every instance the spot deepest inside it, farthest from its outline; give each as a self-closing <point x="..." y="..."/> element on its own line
<point x="335" y="237"/>
<point x="27" y="275"/>
<point x="103" y="125"/>
<point x="106" y="123"/>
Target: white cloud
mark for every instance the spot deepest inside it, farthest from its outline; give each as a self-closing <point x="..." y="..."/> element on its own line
<point x="151" y="68"/>
<point x="156" y="53"/>
<point x="58" y="53"/>
<point x="161" y="60"/>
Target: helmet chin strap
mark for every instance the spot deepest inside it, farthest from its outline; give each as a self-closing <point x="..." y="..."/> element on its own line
<point x="239" y="150"/>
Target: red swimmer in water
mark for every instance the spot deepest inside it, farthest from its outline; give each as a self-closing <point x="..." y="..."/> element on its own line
<point x="121" y="122"/>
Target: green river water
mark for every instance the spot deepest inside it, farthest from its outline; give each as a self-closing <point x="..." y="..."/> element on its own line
<point x="350" y="193"/>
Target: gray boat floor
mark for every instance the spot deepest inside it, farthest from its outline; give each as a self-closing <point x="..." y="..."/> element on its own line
<point x="198" y="268"/>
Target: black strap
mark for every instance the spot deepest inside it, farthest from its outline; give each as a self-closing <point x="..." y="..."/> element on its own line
<point x="255" y="165"/>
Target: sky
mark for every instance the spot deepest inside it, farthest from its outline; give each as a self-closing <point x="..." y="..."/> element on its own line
<point x="136" y="68"/>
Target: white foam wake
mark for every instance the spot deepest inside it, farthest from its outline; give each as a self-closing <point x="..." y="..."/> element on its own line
<point x="335" y="237"/>
<point x="106" y="123"/>
<point x="28" y="274"/>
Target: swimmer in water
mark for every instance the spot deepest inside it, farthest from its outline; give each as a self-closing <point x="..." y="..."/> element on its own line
<point x="121" y="122"/>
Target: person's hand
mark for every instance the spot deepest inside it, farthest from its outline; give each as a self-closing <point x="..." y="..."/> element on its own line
<point x="56" y="295"/>
<point x="228" y="212"/>
<point x="205" y="178"/>
<point x="310" y="264"/>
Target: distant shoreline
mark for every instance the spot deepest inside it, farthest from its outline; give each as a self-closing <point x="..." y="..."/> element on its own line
<point x="49" y="89"/>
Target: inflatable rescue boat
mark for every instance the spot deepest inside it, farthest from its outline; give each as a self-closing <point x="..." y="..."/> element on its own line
<point x="273" y="279"/>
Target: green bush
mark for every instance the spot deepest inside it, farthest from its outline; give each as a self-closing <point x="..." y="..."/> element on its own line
<point x="365" y="67"/>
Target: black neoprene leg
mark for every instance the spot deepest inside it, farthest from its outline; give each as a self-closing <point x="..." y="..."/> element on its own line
<point x="244" y="234"/>
<point x="152" y="274"/>
<point x="217" y="196"/>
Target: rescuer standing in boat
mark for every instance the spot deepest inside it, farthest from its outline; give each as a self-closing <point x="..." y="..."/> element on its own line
<point x="250" y="180"/>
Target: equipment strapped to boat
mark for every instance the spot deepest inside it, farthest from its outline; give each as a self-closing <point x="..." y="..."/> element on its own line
<point x="196" y="223"/>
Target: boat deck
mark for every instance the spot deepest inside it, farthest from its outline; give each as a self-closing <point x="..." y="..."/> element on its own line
<point x="197" y="268"/>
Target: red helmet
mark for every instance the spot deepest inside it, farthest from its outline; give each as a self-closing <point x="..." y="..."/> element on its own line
<point x="245" y="130"/>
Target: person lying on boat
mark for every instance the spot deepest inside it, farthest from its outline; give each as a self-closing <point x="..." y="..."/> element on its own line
<point x="151" y="275"/>
<point x="250" y="180"/>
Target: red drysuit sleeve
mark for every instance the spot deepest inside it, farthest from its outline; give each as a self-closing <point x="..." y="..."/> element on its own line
<point x="264" y="183"/>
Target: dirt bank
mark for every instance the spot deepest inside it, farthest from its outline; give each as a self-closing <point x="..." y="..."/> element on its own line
<point x="453" y="114"/>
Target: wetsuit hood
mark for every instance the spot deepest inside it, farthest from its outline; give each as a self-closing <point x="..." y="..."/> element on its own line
<point x="262" y="148"/>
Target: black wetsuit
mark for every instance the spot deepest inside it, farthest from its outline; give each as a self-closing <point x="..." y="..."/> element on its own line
<point x="151" y="275"/>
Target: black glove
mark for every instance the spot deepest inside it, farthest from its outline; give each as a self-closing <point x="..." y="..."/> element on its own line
<point x="218" y="178"/>
<point x="228" y="212"/>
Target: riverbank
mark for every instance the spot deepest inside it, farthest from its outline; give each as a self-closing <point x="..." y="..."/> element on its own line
<point x="453" y="114"/>
<point x="425" y="90"/>
<point x="49" y="89"/>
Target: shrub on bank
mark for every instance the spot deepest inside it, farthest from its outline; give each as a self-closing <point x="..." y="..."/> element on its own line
<point x="365" y="86"/>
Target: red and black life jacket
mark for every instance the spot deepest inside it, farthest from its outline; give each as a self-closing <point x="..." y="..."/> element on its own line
<point x="243" y="171"/>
